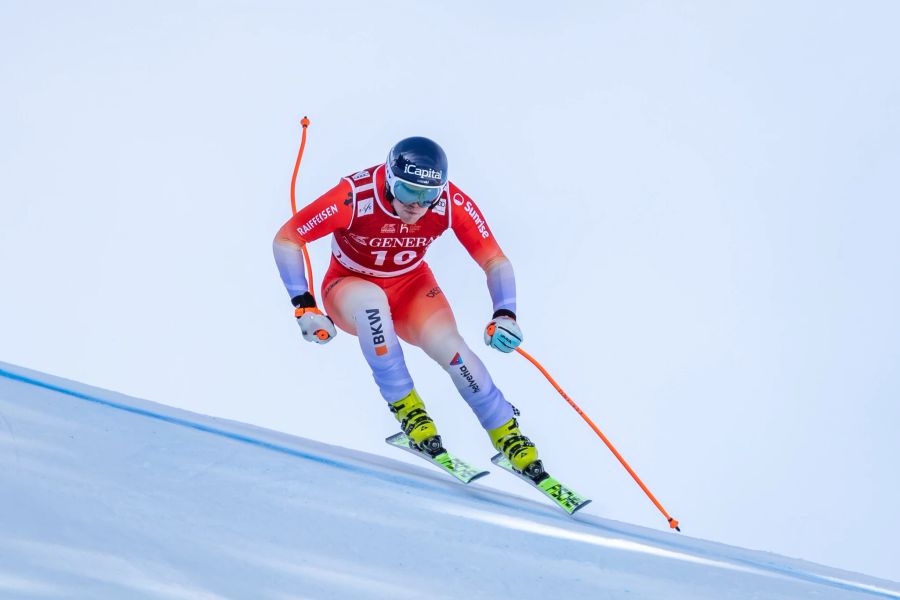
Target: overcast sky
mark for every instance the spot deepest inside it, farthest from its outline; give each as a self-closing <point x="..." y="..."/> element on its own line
<point x="700" y="202"/>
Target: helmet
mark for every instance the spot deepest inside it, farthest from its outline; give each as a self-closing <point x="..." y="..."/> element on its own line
<point x="416" y="171"/>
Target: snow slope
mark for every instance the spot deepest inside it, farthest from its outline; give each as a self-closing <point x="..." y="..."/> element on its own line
<point x="107" y="496"/>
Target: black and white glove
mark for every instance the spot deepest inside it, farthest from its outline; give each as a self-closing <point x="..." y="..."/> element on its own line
<point x="503" y="333"/>
<point x="314" y="324"/>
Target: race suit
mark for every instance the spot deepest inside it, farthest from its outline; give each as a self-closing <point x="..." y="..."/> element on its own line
<point x="378" y="286"/>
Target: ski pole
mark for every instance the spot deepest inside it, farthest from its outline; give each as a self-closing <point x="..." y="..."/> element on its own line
<point x="672" y="522"/>
<point x="304" y="122"/>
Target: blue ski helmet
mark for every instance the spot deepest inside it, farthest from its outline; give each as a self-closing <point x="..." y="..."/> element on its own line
<point x="416" y="171"/>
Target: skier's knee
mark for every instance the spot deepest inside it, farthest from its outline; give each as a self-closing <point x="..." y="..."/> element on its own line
<point x="441" y="345"/>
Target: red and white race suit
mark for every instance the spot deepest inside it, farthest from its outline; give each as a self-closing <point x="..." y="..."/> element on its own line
<point x="379" y="287"/>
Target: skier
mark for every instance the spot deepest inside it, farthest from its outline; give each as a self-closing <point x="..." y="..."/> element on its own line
<point x="378" y="287"/>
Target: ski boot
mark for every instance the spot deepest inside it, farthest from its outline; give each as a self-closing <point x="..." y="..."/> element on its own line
<point x="518" y="449"/>
<point x="416" y="424"/>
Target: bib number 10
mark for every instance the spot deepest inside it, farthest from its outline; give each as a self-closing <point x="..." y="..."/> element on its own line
<point x="401" y="258"/>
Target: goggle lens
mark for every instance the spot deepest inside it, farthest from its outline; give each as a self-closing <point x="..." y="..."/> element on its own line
<point x="409" y="193"/>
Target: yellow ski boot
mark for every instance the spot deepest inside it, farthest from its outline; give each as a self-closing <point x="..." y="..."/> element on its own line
<point x="517" y="448"/>
<point x="416" y="424"/>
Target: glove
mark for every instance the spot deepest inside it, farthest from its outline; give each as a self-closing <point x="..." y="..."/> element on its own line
<point x="503" y="332"/>
<point x="314" y="325"/>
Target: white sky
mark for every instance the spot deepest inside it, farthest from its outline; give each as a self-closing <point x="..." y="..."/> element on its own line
<point x="700" y="202"/>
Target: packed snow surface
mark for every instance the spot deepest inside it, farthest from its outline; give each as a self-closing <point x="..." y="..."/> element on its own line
<point x="107" y="496"/>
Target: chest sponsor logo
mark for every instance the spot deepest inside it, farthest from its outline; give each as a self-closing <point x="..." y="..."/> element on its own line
<point x="389" y="228"/>
<point x="359" y="239"/>
<point x="360" y="175"/>
<point x="394" y="242"/>
<point x="376" y="328"/>
<point x="365" y="207"/>
<point x="404" y="228"/>
<point x="317" y="219"/>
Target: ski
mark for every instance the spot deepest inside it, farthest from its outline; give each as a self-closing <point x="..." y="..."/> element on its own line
<point x="456" y="467"/>
<point x="566" y="498"/>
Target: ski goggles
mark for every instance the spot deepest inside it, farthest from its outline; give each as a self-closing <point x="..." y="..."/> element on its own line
<point x="411" y="193"/>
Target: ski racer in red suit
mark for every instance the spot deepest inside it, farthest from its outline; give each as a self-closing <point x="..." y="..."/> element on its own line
<point x="379" y="288"/>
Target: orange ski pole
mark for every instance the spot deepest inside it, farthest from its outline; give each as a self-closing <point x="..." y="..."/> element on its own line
<point x="304" y="122"/>
<point x="672" y="522"/>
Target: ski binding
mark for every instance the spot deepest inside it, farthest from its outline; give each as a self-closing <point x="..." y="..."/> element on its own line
<point x="566" y="498"/>
<point x="439" y="456"/>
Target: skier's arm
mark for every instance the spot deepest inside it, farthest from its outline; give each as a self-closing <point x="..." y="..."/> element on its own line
<point x="476" y="237"/>
<point x="502" y="332"/>
<point x="330" y="212"/>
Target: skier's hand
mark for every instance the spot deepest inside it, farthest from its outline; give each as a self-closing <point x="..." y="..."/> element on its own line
<point x="503" y="333"/>
<point x="314" y="325"/>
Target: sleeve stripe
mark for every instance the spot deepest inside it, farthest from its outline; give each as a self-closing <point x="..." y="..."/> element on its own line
<point x="353" y="208"/>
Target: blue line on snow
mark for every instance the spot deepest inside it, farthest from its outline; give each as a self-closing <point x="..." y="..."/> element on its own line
<point x="780" y="570"/>
<point x="222" y="432"/>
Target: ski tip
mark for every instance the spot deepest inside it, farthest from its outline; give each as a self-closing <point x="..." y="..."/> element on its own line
<point x="580" y="506"/>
